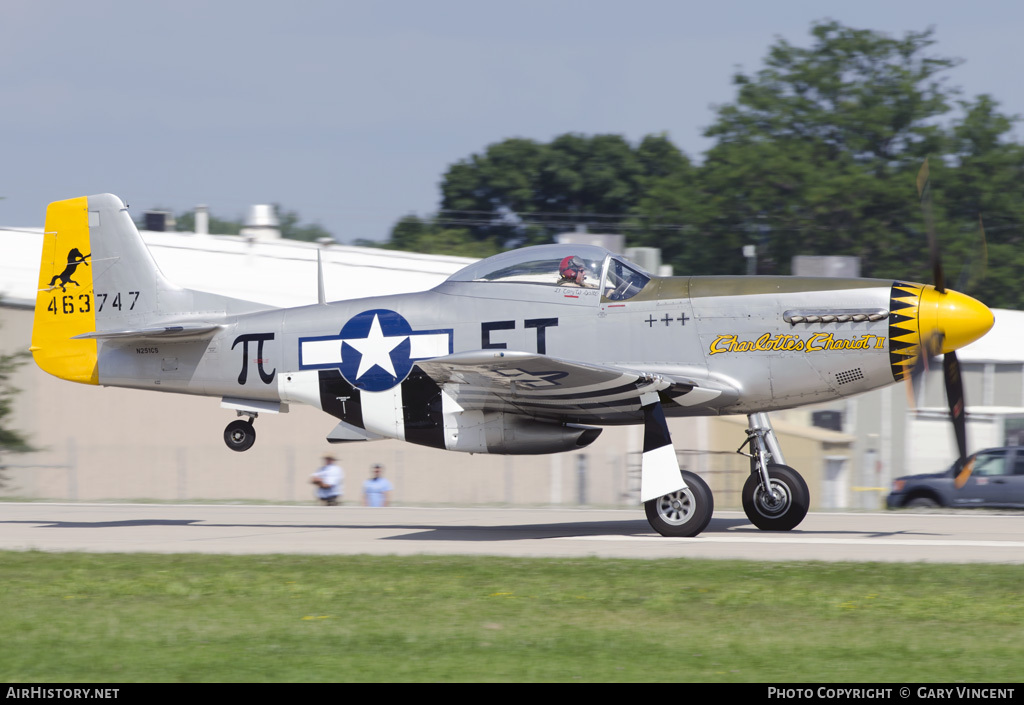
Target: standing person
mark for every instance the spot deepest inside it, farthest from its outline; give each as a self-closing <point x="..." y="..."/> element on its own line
<point x="329" y="481"/>
<point x="376" y="490"/>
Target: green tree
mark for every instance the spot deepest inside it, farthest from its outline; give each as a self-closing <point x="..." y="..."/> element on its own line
<point x="414" y="234"/>
<point x="293" y="229"/>
<point x="672" y="213"/>
<point x="521" y="192"/>
<point x="984" y="185"/>
<point x="489" y="194"/>
<point x="819" y="152"/>
<point x="11" y="440"/>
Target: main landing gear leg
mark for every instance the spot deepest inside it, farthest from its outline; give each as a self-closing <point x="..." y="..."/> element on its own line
<point x="775" y="497"/>
<point x="240" y="434"/>
<point x="677" y="502"/>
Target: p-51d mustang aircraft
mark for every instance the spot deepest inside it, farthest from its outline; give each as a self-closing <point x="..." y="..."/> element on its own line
<point x="529" y="351"/>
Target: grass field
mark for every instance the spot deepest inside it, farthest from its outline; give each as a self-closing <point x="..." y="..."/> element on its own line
<point x="172" y="618"/>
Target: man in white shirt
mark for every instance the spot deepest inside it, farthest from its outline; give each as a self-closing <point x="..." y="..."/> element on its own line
<point x="329" y="481"/>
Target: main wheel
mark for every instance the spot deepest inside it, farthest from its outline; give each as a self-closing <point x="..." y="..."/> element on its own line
<point x="786" y="505"/>
<point x="683" y="513"/>
<point x="240" y="435"/>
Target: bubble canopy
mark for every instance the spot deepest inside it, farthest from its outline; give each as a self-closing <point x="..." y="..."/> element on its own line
<point x="581" y="266"/>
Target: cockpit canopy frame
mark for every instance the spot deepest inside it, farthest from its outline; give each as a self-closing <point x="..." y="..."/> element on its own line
<point x="549" y="265"/>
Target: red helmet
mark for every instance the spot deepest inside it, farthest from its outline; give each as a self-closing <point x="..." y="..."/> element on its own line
<point x="571" y="266"/>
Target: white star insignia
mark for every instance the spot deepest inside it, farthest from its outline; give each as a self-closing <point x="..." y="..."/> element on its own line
<point x="376" y="349"/>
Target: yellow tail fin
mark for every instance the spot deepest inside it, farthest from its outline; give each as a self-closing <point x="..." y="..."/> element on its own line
<point x="65" y="303"/>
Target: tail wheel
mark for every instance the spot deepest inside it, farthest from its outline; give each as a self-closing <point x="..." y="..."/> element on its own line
<point x="683" y="513"/>
<point x="240" y="435"/>
<point x="784" y="506"/>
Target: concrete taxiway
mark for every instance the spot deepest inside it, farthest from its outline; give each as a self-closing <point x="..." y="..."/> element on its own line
<point x="249" y="529"/>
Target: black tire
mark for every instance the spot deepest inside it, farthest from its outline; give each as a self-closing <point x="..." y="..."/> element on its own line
<point x="240" y="435"/>
<point x="790" y="490"/>
<point x="683" y="513"/>
<point x="922" y="502"/>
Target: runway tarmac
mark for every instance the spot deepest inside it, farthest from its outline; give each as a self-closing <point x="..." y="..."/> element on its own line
<point x="972" y="537"/>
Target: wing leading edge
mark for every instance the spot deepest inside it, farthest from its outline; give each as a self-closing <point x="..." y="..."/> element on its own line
<point x="549" y="388"/>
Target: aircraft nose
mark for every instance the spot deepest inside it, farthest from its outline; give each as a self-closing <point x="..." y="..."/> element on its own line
<point x="959" y="318"/>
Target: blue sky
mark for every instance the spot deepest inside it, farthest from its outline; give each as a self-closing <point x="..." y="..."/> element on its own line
<point x="350" y="112"/>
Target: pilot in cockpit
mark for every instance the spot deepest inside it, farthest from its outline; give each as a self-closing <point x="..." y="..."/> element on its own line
<point x="572" y="272"/>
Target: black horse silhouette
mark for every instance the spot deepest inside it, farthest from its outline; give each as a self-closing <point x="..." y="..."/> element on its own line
<point x="75" y="258"/>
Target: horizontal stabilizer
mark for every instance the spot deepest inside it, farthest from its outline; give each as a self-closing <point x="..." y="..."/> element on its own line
<point x="183" y="331"/>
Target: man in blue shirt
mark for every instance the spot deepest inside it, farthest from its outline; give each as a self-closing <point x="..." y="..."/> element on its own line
<point x="377" y="488"/>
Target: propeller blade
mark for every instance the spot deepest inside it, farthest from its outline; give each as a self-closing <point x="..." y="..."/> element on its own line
<point x="955" y="397"/>
<point x="965" y="474"/>
<point x="950" y="363"/>
<point x="924" y="191"/>
<point x="935" y="342"/>
<point x="911" y="392"/>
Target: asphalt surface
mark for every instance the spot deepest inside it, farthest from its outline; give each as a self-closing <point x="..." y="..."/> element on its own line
<point x="963" y="537"/>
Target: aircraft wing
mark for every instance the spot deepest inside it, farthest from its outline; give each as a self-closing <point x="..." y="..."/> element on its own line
<point x="545" y="387"/>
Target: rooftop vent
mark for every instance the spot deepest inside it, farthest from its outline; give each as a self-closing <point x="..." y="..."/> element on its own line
<point x="261" y="223"/>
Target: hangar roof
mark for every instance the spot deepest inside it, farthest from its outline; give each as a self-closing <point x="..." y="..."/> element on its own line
<point x="279" y="272"/>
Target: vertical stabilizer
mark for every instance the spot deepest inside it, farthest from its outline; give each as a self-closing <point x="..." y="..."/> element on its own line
<point x="130" y="290"/>
<point x="97" y="279"/>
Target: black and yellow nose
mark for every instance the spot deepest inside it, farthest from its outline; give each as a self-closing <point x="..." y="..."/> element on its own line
<point x="938" y="321"/>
